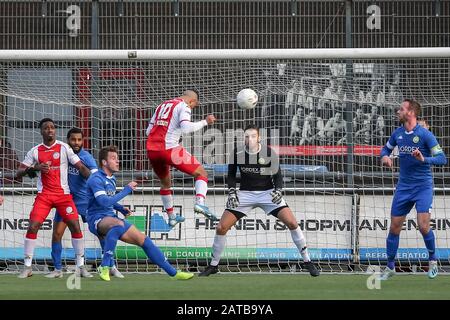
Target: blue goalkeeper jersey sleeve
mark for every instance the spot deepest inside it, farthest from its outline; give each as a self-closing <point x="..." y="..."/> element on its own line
<point x="77" y="183"/>
<point x="413" y="171"/>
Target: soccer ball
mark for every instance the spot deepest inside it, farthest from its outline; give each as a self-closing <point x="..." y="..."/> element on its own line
<point x="247" y="99"/>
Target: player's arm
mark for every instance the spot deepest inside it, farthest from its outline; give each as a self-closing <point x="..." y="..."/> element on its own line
<point x="387" y="150"/>
<point x="187" y="126"/>
<point x="29" y="167"/>
<point x="76" y="162"/>
<point x="85" y="172"/>
<point x="437" y="154"/>
<point x="125" y="211"/>
<point x="151" y="123"/>
<point x="233" y="200"/>
<point x="97" y="186"/>
<point x="277" y="178"/>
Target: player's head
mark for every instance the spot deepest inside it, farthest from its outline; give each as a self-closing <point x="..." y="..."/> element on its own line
<point x="251" y="136"/>
<point x="409" y="110"/>
<point x="75" y="139"/>
<point x="108" y="159"/>
<point x="191" y="97"/>
<point x="48" y="129"/>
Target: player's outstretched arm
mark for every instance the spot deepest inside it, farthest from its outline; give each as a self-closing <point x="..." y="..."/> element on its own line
<point x="96" y="185"/>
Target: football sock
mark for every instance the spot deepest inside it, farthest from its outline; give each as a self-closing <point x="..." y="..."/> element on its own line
<point x="157" y="257"/>
<point x="29" y="250"/>
<point x="56" y="255"/>
<point x="391" y="249"/>
<point x="300" y="242"/>
<point x="218" y="246"/>
<point x="430" y="244"/>
<point x="111" y="239"/>
<point x="201" y="188"/>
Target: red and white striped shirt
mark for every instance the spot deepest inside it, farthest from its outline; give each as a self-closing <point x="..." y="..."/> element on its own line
<point x="57" y="156"/>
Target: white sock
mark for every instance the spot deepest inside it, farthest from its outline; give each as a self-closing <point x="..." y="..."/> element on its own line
<point x="201" y="188"/>
<point x="167" y="199"/>
<point x="300" y="242"/>
<point x="78" y="246"/>
<point x="29" y="251"/>
<point x="218" y="246"/>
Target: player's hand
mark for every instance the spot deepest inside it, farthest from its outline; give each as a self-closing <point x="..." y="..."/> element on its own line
<point x="418" y="155"/>
<point x="42" y="167"/>
<point x="210" y="119"/>
<point x="127" y="212"/>
<point x="1" y="200"/>
<point x="277" y="196"/>
<point x="233" y="200"/>
<point x="31" y="172"/>
<point x="386" y="161"/>
<point x="133" y="185"/>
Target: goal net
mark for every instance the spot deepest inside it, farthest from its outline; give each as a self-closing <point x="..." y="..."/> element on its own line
<point x="326" y="115"/>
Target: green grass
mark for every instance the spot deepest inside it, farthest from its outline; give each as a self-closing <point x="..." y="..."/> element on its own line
<point x="227" y="287"/>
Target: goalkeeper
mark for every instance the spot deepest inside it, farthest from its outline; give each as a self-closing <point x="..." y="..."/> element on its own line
<point x="260" y="187"/>
<point x="105" y="224"/>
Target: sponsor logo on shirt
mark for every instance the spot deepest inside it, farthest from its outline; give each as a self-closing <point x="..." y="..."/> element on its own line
<point x="74" y="171"/>
<point x="250" y="170"/>
<point x="407" y="149"/>
<point x="162" y="123"/>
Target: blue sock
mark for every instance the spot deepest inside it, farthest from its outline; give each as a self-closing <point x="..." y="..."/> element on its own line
<point x="102" y="244"/>
<point x="157" y="257"/>
<point x="430" y="244"/>
<point x="56" y="255"/>
<point x="111" y="239"/>
<point x="391" y="249"/>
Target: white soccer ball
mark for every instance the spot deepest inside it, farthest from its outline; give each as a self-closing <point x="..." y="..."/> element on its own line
<point x="247" y="99"/>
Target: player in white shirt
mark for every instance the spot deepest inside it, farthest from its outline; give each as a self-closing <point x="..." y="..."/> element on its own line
<point x="171" y="119"/>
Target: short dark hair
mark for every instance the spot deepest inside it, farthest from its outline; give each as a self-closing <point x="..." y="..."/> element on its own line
<point x="196" y="92"/>
<point x="252" y="126"/>
<point x="415" y="106"/>
<point x="74" y="130"/>
<point x="41" y="123"/>
<point x="103" y="154"/>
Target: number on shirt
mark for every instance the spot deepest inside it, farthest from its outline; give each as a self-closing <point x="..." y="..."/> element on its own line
<point x="165" y="110"/>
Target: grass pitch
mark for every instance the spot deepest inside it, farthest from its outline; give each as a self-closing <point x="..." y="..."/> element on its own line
<point x="227" y="287"/>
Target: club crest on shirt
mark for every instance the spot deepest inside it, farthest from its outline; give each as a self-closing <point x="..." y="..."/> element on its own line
<point x="55" y="155"/>
<point x="262" y="161"/>
<point x="416" y="139"/>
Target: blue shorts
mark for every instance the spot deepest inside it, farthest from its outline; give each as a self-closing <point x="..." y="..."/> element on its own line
<point x="81" y="208"/>
<point x="406" y="197"/>
<point x="94" y="220"/>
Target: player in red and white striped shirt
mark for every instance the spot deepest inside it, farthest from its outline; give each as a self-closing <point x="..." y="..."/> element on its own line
<point x="171" y="119"/>
<point x="51" y="159"/>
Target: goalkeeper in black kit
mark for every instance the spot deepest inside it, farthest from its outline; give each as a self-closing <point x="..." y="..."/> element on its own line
<point x="260" y="187"/>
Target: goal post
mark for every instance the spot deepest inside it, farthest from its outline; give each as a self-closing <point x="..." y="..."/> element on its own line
<point x="326" y="112"/>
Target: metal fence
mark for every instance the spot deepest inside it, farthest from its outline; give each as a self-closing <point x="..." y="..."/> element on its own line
<point x="227" y="24"/>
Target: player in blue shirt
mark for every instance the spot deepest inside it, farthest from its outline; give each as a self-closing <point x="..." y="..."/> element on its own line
<point x="78" y="189"/>
<point x="418" y="150"/>
<point x="104" y="223"/>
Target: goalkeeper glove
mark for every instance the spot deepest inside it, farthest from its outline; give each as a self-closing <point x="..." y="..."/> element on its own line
<point x="233" y="200"/>
<point x="277" y="196"/>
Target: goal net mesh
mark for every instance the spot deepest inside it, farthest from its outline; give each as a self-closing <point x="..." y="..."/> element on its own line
<point x="327" y="119"/>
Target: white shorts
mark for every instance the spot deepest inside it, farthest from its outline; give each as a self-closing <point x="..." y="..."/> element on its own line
<point x="249" y="200"/>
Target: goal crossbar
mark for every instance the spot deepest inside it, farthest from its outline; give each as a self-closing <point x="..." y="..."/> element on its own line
<point x="233" y="54"/>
